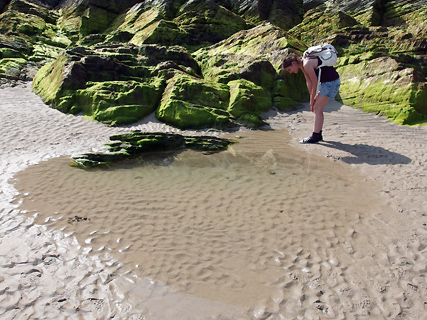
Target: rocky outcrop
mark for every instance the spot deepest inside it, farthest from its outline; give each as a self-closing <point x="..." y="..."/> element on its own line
<point x="194" y="23"/>
<point x="211" y="63"/>
<point x="250" y="62"/>
<point x="113" y="84"/>
<point x="29" y="37"/>
<point x="137" y="143"/>
<point x="385" y="86"/>
<point x="284" y="14"/>
<point x="382" y="47"/>
<point x="122" y="83"/>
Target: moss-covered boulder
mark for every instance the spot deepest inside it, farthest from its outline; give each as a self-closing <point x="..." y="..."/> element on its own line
<point x="206" y="22"/>
<point x="247" y="101"/>
<point x="190" y="102"/>
<point x="82" y="18"/>
<point x="116" y="102"/>
<point x="320" y="22"/>
<point x="115" y="85"/>
<point x="187" y="23"/>
<point x="223" y="68"/>
<point x="13" y="68"/>
<point x="138" y="22"/>
<point x="284" y="14"/>
<point x="139" y="143"/>
<point x="120" y="84"/>
<point x="28" y="32"/>
<point x="116" y="61"/>
<point x="249" y="62"/>
<point x="289" y="91"/>
<point x="240" y="73"/>
<point x="384" y="86"/>
<point x="265" y="41"/>
<point x="382" y="47"/>
<point x="72" y="71"/>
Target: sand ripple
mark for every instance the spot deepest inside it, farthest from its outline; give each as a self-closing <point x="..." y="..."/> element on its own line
<point x="261" y="222"/>
<point x="229" y="237"/>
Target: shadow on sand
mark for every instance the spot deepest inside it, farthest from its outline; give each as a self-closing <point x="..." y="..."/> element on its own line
<point x="363" y="153"/>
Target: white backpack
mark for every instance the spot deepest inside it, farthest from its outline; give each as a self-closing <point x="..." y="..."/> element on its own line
<point x="327" y="53"/>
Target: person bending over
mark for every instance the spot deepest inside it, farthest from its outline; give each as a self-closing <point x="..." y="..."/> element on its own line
<point x="319" y="97"/>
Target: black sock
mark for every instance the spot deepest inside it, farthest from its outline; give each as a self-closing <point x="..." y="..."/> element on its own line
<point x="317" y="136"/>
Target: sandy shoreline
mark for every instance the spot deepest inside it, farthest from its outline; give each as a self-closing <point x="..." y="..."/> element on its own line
<point x="39" y="274"/>
<point x="40" y="279"/>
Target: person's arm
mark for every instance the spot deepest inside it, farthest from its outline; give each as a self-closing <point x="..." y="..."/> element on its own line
<point x="311" y="78"/>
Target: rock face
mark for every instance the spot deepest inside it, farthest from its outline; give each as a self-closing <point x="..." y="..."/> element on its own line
<point x="211" y="63"/>
<point x="383" y="54"/>
<point x="121" y="83"/>
<point x="284" y="14"/>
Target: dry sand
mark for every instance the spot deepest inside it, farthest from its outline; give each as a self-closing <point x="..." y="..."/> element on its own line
<point x="233" y="236"/>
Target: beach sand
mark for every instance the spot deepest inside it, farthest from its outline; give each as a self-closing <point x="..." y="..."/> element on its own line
<point x="233" y="236"/>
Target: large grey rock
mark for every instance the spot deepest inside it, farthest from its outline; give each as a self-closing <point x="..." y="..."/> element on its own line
<point x="284" y="14"/>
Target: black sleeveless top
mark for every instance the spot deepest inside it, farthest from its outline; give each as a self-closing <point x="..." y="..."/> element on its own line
<point x="328" y="74"/>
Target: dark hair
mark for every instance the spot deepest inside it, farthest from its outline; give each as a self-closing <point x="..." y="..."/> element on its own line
<point x="289" y="59"/>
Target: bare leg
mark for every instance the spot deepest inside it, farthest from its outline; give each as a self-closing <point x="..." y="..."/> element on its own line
<point x="318" y="107"/>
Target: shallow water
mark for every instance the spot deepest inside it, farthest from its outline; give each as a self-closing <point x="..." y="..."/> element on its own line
<point x="261" y="226"/>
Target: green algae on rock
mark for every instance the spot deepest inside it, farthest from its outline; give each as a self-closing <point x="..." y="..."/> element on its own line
<point x="89" y="54"/>
<point x="190" y="102"/>
<point x="289" y="92"/>
<point x="118" y="83"/>
<point x="11" y="68"/>
<point x="382" y="55"/>
<point x="139" y="143"/>
<point x="383" y="86"/>
<point x="189" y="24"/>
<point x="81" y="18"/>
<point x="117" y="102"/>
<point x="247" y="101"/>
<point x="249" y="63"/>
<point x="265" y="41"/>
<point x="109" y="84"/>
<point x="29" y="32"/>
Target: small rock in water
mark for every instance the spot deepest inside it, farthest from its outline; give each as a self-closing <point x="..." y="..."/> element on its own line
<point x="77" y="219"/>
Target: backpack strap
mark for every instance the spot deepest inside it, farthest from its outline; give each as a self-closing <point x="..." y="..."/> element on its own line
<point x="318" y="79"/>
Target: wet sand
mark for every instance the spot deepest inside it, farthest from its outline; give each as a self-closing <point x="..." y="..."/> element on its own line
<point x="236" y="235"/>
<point x="224" y="227"/>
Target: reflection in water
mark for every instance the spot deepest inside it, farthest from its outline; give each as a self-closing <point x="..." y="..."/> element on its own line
<point x="236" y="226"/>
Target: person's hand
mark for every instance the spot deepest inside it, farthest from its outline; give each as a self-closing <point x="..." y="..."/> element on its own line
<point x="312" y="102"/>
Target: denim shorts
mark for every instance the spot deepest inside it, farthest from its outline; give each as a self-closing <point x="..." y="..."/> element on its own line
<point x="330" y="89"/>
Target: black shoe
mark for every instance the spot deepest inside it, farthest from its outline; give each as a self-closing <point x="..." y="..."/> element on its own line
<point x="309" y="140"/>
<point x="314" y="138"/>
